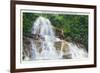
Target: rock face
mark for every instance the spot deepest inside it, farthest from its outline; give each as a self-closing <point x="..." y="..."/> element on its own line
<point x="61" y="46"/>
<point x="27" y="48"/>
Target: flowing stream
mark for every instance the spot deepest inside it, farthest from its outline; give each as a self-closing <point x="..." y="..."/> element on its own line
<point x="43" y="27"/>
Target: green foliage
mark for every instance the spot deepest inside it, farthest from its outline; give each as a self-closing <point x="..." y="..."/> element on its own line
<point x="75" y="26"/>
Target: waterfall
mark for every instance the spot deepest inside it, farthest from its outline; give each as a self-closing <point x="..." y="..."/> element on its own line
<point x="76" y="52"/>
<point x="43" y="27"/>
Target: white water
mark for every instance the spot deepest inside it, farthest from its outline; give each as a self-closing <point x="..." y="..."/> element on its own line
<point x="77" y="52"/>
<point x="43" y="27"/>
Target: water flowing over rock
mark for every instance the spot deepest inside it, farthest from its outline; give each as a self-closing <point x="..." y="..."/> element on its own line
<point x="44" y="29"/>
<point x="48" y="46"/>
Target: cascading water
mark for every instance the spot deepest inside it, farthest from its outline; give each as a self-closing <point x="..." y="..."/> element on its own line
<point x="76" y="52"/>
<point x="42" y="27"/>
